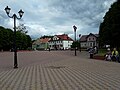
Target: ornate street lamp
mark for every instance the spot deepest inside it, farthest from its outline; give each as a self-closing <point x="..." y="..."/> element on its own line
<point x="14" y="16"/>
<point x="75" y="28"/>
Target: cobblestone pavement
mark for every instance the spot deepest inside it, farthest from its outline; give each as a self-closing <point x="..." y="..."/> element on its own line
<point x="57" y="70"/>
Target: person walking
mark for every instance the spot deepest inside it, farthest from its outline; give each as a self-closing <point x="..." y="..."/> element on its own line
<point x="91" y="51"/>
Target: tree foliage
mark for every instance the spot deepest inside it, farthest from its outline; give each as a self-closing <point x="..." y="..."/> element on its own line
<point x="75" y="44"/>
<point x="22" y="28"/>
<point x="6" y="36"/>
<point x="23" y="41"/>
<point x="45" y="36"/>
<point x="109" y="31"/>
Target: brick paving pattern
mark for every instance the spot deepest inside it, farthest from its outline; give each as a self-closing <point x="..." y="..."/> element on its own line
<point x="57" y="70"/>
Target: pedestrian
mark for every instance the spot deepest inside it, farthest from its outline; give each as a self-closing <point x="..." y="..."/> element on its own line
<point x="115" y="55"/>
<point x="108" y="55"/>
<point x="95" y="50"/>
<point x="49" y="49"/>
<point x="91" y="51"/>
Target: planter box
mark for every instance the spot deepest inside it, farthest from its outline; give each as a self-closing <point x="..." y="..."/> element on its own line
<point x="99" y="57"/>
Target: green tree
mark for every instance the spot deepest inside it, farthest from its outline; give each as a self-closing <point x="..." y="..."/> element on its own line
<point x="75" y="44"/>
<point x="23" y="41"/>
<point x="22" y="28"/>
<point x="29" y="41"/>
<point x="109" y="32"/>
<point x="6" y="38"/>
<point x="45" y="36"/>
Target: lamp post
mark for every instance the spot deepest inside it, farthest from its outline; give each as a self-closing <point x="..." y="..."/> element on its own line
<point x="75" y="28"/>
<point x="80" y="42"/>
<point x="14" y="16"/>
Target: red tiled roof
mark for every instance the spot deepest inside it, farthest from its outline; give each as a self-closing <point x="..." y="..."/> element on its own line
<point x="64" y="37"/>
<point x="45" y="40"/>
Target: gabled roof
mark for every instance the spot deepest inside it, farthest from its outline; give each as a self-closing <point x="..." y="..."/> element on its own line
<point x="96" y="35"/>
<point x="63" y="37"/>
<point x="84" y="37"/>
<point x="45" y="40"/>
<point x="42" y="40"/>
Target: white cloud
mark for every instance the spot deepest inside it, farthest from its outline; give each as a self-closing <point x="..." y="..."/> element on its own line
<point x="50" y="17"/>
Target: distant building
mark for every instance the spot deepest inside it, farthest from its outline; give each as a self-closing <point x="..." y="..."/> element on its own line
<point x="60" y="42"/>
<point x="41" y="44"/>
<point x="90" y="40"/>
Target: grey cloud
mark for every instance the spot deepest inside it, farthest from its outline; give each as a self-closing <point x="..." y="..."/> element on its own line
<point x="3" y="18"/>
<point x="2" y="15"/>
<point x="82" y="9"/>
<point x="58" y="16"/>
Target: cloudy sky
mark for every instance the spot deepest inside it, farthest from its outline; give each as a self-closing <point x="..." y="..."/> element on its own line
<point x="50" y="17"/>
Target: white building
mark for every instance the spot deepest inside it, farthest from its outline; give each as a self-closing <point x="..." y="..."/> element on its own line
<point x="60" y="42"/>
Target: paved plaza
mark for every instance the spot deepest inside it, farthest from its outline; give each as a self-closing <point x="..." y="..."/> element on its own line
<point x="57" y="70"/>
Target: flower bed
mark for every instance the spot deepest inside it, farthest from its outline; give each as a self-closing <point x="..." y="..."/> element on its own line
<point x="99" y="57"/>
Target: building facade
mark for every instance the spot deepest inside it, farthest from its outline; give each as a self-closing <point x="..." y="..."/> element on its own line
<point x="60" y="42"/>
<point x="87" y="41"/>
<point x="41" y="44"/>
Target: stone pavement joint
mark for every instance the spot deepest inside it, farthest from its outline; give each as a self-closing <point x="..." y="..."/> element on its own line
<point x="58" y="70"/>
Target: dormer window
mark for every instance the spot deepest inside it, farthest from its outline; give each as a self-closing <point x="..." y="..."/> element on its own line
<point x="55" y="38"/>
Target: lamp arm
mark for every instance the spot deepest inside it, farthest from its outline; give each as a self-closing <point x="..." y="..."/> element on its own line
<point x="14" y="16"/>
<point x="18" y="17"/>
<point x="10" y="16"/>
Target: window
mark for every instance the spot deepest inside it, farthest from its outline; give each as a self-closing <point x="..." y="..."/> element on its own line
<point x="90" y="44"/>
<point x="37" y="45"/>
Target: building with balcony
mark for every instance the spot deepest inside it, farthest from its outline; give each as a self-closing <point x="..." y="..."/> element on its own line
<point x="60" y="42"/>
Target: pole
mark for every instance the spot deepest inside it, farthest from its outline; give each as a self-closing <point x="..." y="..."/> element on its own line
<point x="80" y="42"/>
<point x="75" y="42"/>
<point x="80" y="46"/>
<point x="74" y="27"/>
<point x="15" y="48"/>
<point x="7" y="9"/>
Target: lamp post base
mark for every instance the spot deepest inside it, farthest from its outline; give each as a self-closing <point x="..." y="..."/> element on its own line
<point x="15" y="66"/>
